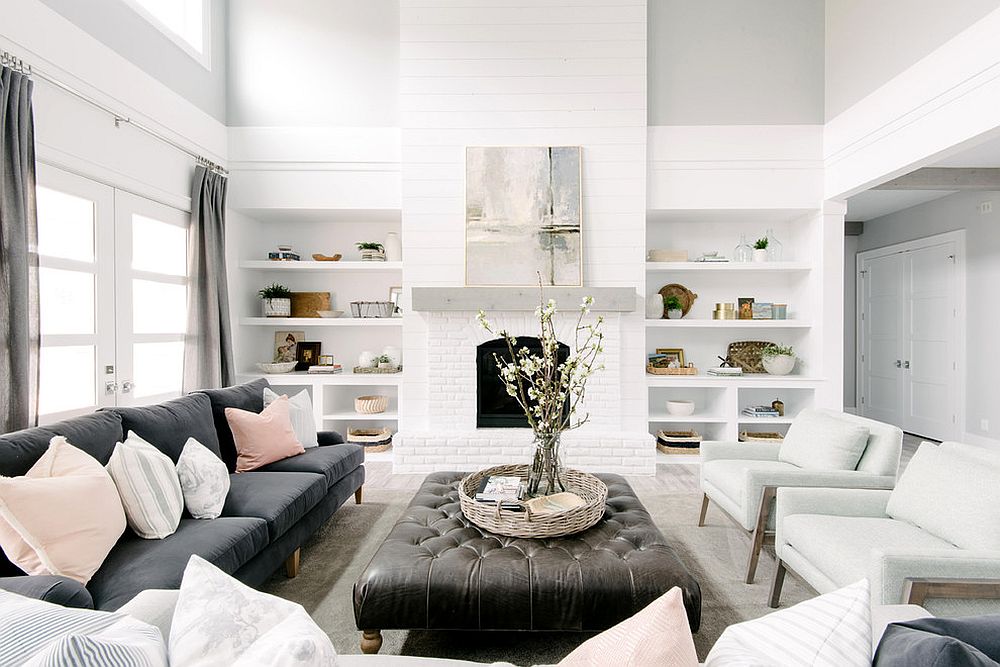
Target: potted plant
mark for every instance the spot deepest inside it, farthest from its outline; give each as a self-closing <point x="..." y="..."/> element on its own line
<point x="673" y="307"/>
<point x="371" y="251"/>
<point x="277" y="300"/>
<point x="760" y="250"/>
<point x="550" y="391"/>
<point x="778" y="359"/>
<point x="384" y="361"/>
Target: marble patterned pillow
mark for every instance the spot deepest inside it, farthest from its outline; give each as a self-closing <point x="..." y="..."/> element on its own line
<point x="204" y="480"/>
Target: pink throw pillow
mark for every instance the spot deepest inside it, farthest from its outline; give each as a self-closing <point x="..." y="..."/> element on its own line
<point x="657" y="635"/>
<point x="63" y="516"/>
<point x="263" y="438"/>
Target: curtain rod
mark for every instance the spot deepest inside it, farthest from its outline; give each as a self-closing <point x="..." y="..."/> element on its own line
<point x="18" y="65"/>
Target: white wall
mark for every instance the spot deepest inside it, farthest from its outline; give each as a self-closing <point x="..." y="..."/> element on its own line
<point x="958" y="211"/>
<point x="733" y="62"/>
<point x="314" y="63"/>
<point x="868" y="43"/>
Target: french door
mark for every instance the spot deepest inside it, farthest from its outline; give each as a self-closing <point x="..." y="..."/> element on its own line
<point x="911" y="367"/>
<point x="112" y="296"/>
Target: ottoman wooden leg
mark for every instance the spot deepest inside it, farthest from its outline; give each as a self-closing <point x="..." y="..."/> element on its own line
<point x="357" y="495"/>
<point x="704" y="509"/>
<point x="371" y="641"/>
<point x="292" y="564"/>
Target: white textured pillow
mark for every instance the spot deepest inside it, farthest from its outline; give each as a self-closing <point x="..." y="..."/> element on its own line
<point x="204" y="480"/>
<point x="832" y="629"/>
<point x="148" y="486"/>
<point x="818" y="441"/>
<point x="220" y="621"/>
<point x="300" y="412"/>
<point x="951" y="495"/>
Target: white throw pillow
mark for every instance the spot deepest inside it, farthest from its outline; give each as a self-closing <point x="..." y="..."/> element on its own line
<point x="300" y="412"/>
<point x="220" y="621"/>
<point x="38" y="633"/>
<point x="819" y="441"/>
<point x="832" y="629"/>
<point x="148" y="486"/>
<point x="204" y="480"/>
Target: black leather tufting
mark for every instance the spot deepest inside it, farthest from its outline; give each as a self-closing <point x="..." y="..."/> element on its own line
<point x="436" y="570"/>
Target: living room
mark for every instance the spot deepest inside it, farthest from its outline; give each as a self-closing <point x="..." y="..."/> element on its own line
<point x="277" y="283"/>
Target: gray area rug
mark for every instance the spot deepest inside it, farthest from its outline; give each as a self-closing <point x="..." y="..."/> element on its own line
<point x="337" y="554"/>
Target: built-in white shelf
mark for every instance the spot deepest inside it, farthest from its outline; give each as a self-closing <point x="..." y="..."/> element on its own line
<point x="666" y="418"/>
<point x="357" y="416"/>
<point x="301" y="378"/>
<point x="755" y="381"/>
<point x="764" y="420"/>
<point x="269" y="265"/>
<point x="730" y="267"/>
<point x="323" y="321"/>
<point x="729" y="324"/>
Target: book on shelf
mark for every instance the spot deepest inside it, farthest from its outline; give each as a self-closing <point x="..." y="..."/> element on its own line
<point x="508" y="491"/>
<point x="725" y="372"/>
<point x="325" y="370"/>
<point x="557" y="502"/>
<point x="751" y="413"/>
<point x="283" y="256"/>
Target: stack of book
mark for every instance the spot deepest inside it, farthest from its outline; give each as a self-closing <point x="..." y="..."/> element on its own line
<point x="726" y="372"/>
<point x="760" y="411"/>
<point x="326" y="370"/>
<point x="508" y="491"/>
<point x="283" y="256"/>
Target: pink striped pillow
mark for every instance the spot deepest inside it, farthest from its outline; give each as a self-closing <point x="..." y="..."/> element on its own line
<point x="263" y="438"/>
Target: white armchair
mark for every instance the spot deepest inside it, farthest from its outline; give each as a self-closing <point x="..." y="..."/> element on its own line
<point x="936" y="535"/>
<point x="823" y="448"/>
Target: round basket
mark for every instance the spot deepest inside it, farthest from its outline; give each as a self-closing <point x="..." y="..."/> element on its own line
<point x="371" y="405"/>
<point x="494" y="519"/>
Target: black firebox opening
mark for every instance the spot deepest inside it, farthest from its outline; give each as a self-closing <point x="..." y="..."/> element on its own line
<point x="494" y="407"/>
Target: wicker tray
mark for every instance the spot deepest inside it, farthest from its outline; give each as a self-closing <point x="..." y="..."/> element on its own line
<point x="653" y="370"/>
<point x="750" y="436"/>
<point x="494" y="519"/>
<point x="373" y="370"/>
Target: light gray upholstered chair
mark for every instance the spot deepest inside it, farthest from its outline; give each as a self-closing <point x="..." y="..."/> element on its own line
<point x="936" y="535"/>
<point x="741" y="478"/>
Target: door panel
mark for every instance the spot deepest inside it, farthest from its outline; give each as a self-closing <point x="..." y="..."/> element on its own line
<point x="881" y="325"/>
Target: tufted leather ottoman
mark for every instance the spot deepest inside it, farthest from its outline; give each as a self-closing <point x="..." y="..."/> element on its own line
<point x="436" y="570"/>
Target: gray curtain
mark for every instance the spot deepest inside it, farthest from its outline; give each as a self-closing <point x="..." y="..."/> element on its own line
<point x="208" y="348"/>
<point x="19" y="337"/>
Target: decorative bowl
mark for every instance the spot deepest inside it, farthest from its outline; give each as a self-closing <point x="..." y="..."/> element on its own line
<point x="274" y="367"/>
<point x="329" y="313"/>
<point x="371" y="405"/>
<point x="781" y="364"/>
<point x="680" y="408"/>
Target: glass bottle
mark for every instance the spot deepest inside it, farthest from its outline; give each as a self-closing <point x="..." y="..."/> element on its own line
<point x="743" y="252"/>
<point x="773" y="247"/>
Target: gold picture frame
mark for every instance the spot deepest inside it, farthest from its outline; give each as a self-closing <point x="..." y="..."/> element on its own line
<point x="675" y="352"/>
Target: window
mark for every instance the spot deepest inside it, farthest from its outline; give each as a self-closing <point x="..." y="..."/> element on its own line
<point x="112" y="296"/>
<point x="186" y="22"/>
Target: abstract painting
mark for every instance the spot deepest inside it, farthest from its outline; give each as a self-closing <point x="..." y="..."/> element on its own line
<point x="523" y="215"/>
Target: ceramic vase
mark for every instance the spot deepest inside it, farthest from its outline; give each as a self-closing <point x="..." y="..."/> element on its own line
<point x="366" y="359"/>
<point x="760" y="254"/>
<point x="654" y="306"/>
<point x="675" y="314"/>
<point x="781" y="364"/>
<point x="276" y="307"/>
<point x="393" y="247"/>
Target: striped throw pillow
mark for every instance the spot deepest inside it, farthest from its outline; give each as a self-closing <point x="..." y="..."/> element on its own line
<point x="148" y="485"/>
<point x="832" y="630"/>
<point x="127" y="643"/>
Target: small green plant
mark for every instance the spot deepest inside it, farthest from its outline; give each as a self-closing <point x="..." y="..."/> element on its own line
<point x="382" y="359"/>
<point x="275" y="291"/>
<point x="370" y="245"/>
<point x="761" y="244"/>
<point x="778" y="351"/>
<point x="672" y="303"/>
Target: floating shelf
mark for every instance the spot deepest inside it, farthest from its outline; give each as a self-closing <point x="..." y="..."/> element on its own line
<point x="730" y="267"/>
<point x="356" y="416"/>
<point x="269" y="265"/>
<point x="664" y="418"/>
<point x="729" y="324"/>
<point x="322" y="321"/>
<point x="746" y="381"/>
<point x="764" y="420"/>
<point x="301" y="378"/>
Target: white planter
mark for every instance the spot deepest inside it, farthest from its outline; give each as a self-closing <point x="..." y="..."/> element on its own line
<point x="276" y="307"/>
<point x="372" y="256"/>
<point x="760" y="255"/>
<point x="393" y="248"/>
<point x="675" y="314"/>
<point x="393" y="353"/>
<point x="654" y="306"/>
<point x="781" y="364"/>
<point x="680" y="407"/>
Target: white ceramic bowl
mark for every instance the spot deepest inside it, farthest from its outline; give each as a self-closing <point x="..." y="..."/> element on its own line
<point x="680" y="408"/>
<point x="329" y="313"/>
<point x="779" y="365"/>
<point x="274" y="367"/>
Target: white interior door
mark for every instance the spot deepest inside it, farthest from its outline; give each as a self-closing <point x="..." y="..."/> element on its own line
<point x="881" y="326"/>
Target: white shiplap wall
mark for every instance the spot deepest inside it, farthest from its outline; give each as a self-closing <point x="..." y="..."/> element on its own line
<point x="531" y="72"/>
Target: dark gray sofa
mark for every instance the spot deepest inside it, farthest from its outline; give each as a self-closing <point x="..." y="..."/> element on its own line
<point x="268" y="514"/>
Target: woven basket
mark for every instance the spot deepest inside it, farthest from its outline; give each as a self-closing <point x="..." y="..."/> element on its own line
<point x="494" y="519"/>
<point x="654" y="370"/>
<point x="371" y="405"/>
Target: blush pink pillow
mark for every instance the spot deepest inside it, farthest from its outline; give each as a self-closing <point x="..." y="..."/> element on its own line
<point x="263" y="438"/>
<point x="657" y="635"/>
<point x="63" y="516"/>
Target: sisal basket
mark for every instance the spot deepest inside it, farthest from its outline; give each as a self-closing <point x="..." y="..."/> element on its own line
<point x="494" y="519"/>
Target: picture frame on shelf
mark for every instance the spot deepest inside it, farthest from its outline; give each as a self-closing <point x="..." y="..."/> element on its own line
<point x="744" y="308"/>
<point x="307" y="354"/>
<point x="286" y="345"/>
<point x="762" y="311"/>
<point x="395" y="296"/>
<point x="672" y="357"/>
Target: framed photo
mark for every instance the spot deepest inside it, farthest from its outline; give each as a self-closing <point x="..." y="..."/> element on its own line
<point x="671" y="357"/>
<point x="395" y="295"/>
<point x="286" y="344"/>
<point x="762" y="311"/>
<point x="745" y="308"/>
<point x="307" y="354"/>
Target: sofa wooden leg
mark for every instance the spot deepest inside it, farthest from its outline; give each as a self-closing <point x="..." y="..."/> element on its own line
<point x="779" y="580"/>
<point x="357" y="495"/>
<point x="759" y="534"/>
<point x="704" y="509"/>
<point x="292" y="564"/>
<point x="371" y="641"/>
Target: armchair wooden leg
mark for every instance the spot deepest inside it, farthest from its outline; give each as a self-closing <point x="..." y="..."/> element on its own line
<point x="779" y="580"/>
<point x="704" y="509"/>
<point x="759" y="535"/>
<point x="292" y="564"/>
<point x="371" y="641"/>
<point x="357" y="495"/>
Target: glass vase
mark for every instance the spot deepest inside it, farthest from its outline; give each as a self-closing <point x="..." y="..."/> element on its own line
<point x="774" y="249"/>
<point x="743" y="252"/>
<point x="545" y="477"/>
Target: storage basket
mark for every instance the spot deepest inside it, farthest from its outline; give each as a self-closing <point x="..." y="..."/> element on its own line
<point x="372" y="308"/>
<point x="371" y="405"/>
<point x="653" y="370"/>
<point x="373" y="439"/>
<point x="495" y="519"/>
<point x="308" y="304"/>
